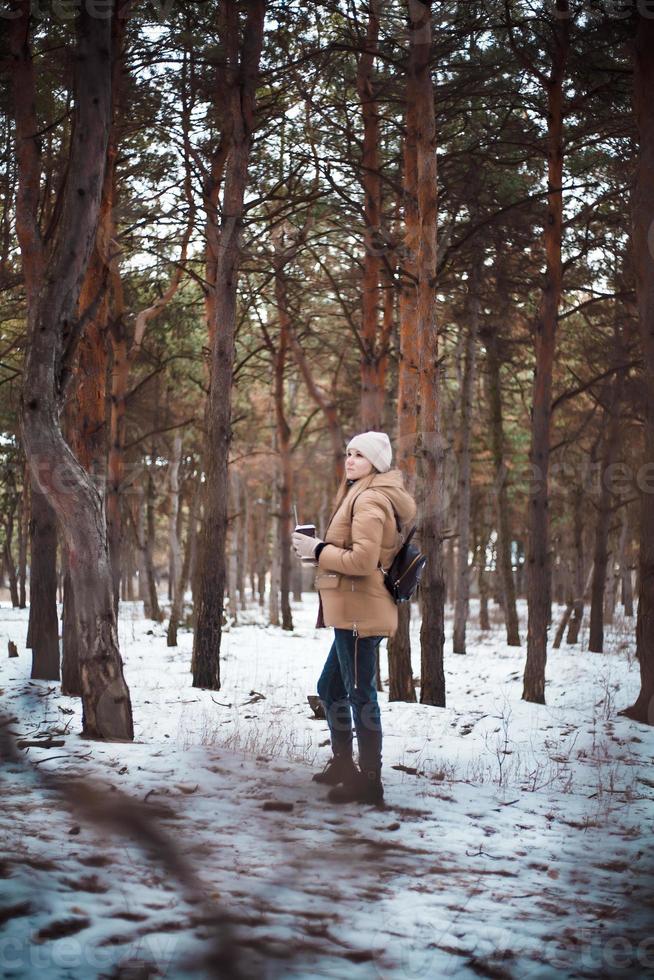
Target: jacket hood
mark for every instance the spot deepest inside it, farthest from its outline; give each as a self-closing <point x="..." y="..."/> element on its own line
<point x="392" y="486"/>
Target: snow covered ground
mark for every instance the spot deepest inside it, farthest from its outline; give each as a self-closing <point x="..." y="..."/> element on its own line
<point x="516" y="840"/>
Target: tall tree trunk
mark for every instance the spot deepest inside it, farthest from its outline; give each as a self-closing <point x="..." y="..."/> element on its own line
<point x="400" y="673"/>
<point x="401" y="686"/>
<point x="173" y="518"/>
<point x="602" y="526"/>
<point x="626" y="591"/>
<point x="241" y="104"/>
<point x="10" y="564"/>
<point x="578" y="569"/>
<point x="71" y="677"/>
<point x="86" y="410"/>
<point x="138" y="526"/>
<point x="372" y="387"/>
<point x="504" y="537"/>
<point x="275" y="570"/>
<point x="280" y="259"/>
<point x="243" y="543"/>
<point x="232" y="544"/>
<point x="420" y="91"/>
<point x="43" y="627"/>
<point x="52" y="334"/>
<point x="177" y="608"/>
<point x="642" y="223"/>
<point x="23" y="539"/>
<point x="462" y="591"/>
<point x="611" y="591"/>
<point x="538" y="562"/>
<point x="150" y="540"/>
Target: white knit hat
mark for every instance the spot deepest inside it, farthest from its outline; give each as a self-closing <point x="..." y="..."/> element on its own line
<point x="376" y="447"/>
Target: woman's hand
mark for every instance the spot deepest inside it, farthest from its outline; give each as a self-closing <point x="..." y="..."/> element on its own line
<point x="304" y="546"/>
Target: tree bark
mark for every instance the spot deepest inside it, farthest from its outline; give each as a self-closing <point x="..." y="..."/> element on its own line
<point x="627" y="592"/>
<point x="401" y="685"/>
<point x="374" y="348"/>
<point x="400" y="672"/>
<point x="280" y="258"/>
<point x="241" y="100"/>
<point x="462" y="591"/>
<point x="52" y="334"/>
<point x="10" y="564"/>
<point x="273" y="599"/>
<point x="43" y="626"/>
<point x="177" y="608"/>
<point x="149" y="542"/>
<point x="173" y="518"/>
<point x="642" y="223"/>
<point x="603" y="523"/>
<point x="538" y="562"/>
<point x="420" y="92"/>
<point x="23" y="537"/>
<point x="504" y="537"/>
<point x="578" y="582"/>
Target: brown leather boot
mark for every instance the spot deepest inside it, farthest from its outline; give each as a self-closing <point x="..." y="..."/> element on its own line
<point x="339" y="769"/>
<point x="363" y="787"/>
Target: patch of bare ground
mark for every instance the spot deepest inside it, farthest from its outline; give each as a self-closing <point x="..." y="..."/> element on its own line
<point x="132" y="970"/>
<point x="95" y="861"/>
<point x="60" y="928"/>
<point x="129" y="916"/>
<point x="360" y="956"/>
<point x="16" y="911"/>
<point x="485" y="969"/>
<point x="86" y="883"/>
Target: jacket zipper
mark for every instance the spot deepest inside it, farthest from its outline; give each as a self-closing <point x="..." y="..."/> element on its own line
<point x="406" y="572"/>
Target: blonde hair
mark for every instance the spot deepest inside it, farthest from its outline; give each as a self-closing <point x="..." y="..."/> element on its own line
<point x="343" y="490"/>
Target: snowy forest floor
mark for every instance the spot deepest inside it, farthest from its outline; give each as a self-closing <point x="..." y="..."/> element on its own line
<point x="515" y="841"/>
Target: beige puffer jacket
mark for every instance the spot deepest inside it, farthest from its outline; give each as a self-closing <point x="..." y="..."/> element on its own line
<point x="350" y="582"/>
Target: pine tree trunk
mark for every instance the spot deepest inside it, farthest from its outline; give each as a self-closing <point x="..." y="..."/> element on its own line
<point x="275" y="570"/>
<point x="642" y="222"/>
<point x="627" y="593"/>
<point x="611" y="592"/>
<point x="504" y="537"/>
<point x="52" y="310"/>
<point x="401" y="685"/>
<point x="538" y="561"/>
<point x="400" y="673"/>
<point x="10" y="564"/>
<point x="232" y="545"/>
<point x="602" y="527"/>
<point x="177" y="608"/>
<point x="462" y="591"/>
<point x="43" y="628"/>
<point x="372" y="386"/>
<point x="150" y="542"/>
<point x="243" y="74"/>
<point x="243" y="544"/>
<point x="565" y="619"/>
<point x="420" y="92"/>
<point x="280" y="259"/>
<point x="71" y="677"/>
<point x="23" y="539"/>
<point x="174" y="563"/>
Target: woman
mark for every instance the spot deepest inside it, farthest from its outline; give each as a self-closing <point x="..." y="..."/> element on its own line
<point x="361" y="540"/>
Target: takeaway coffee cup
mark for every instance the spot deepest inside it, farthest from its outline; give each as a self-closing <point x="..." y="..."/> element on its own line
<point x="310" y="531"/>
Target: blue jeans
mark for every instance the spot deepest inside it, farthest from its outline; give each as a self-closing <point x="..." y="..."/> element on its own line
<point x="347" y="687"/>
